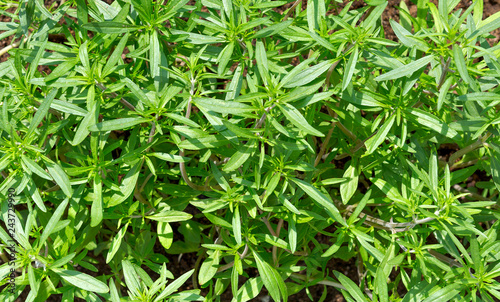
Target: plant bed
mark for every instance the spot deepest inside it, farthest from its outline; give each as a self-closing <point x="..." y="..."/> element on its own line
<point x="249" y="150"/>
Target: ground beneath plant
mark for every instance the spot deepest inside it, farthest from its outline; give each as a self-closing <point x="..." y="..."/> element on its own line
<point x="179" y="265"/>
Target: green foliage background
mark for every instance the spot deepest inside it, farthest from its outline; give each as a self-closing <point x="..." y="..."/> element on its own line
<point x="247" y="132"/>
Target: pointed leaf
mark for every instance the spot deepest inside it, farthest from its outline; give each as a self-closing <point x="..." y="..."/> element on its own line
<point x="321" y="199"/>
<point x="294" y="116"/>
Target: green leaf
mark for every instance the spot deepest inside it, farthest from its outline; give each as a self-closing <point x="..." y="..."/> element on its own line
<point x="487" y="26"/>
<point x="348" y="188"/>
<point x="182" y="120"/>
<point x="428" y="120"/>
<point x="41" y="112"/>
<point x="127" y="186"/>
<point x="479" y="97"/>
<point x="224" y="58"/>
<point x="82" y="280"/>
<point x="35" y="195"/>
<point x="157" y="58"/>
<point x="115" y="296"/>
<point x="53" y="221"/>
<point x="261" y="58"/>
<point x="458" y="57"/>
<point x="60" y="177"/>
<point x="405" y="71"/>
<point x="237" y="225"/>
<point x="292" y="233"/>
<point x="316" y="12"/>
<point x="82" y="131"/>
<point x="34" y="167"/>
<point x="321" y="199"/>
<point x="361" y="99"/>
<point x="165" y="234"/>
<point x="62" y="261"/>
<point x="271" y="279"/>
<point x="170" y="157"/>
<point x="84" y="56"/>
<point x="445" y="294"/>
<point x="116" y="243"/>
<point x="309" y="75"/>
<point x="67" y="107"/>
<point x="240" y="132"/>
<point x="118" y="124"/>
<point x="6" y="160"/>
<point x="110" y="27"/>
<point x="295" y="73"/>
<point x="349" y="68"/>
<point x="322" y="41"/>
<point x="335" y="246"/>
<point x="249" y="290"/>
<point x="131" y="278"/>
<point x="294" y="116"/>
<point x="115" y="56"/>
<point x="271" y="30"/>
<point x="407" y="38"/>
<point x="375" y="141"/>
<point x="495" y="168"/>
<point x="225" y="107"/>
<point x="174" y="286"/>
<point x="209" y="268"/>
<point x="443" y="91"/>
<point x="351" y="287"/>
<point x="138" y="93"/>
<point x="96" y="211"/>
<point x="218" y="220"/>
<point x="170" y="216"/>
<point x="240" y="156"/>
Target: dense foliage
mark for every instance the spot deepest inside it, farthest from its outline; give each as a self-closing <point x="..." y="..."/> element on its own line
<point x="264" y="138"/>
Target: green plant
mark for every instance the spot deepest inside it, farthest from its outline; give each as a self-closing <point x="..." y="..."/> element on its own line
<point x="252" y="140"/>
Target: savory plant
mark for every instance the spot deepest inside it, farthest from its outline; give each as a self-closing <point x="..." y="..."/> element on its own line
<point x="263" y="138"/>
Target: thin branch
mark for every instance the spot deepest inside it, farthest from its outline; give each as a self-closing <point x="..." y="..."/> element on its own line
<point x="444" y="71"/>
<point x="469" y="148"/>
<point x="472" y="194"/>
<point x="443" y="258"/>
<point x="114" y="95"/>
<point x="289" y="13"/>
<point x="382" y="224"/>
<point x="12" y="46"/>
<point x="145" y="181"/>
<point x="468" y="163"/>
<point x="260" y="122"/>
<point x="324" y="145"/>
<point x="275" y="248"/>
<point x="182" y="165"/>
<point x="268" y="225"/>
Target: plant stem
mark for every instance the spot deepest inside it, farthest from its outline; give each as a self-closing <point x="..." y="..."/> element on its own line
<point x="289" y="13"/>
<point x="469" y="148"/>
<point x="324" y="145"/>
<point x="114" y="95"/>
<point x="12" y="46"/>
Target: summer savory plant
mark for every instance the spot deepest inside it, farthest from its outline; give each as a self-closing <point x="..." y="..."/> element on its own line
<point x="265" y="139"/>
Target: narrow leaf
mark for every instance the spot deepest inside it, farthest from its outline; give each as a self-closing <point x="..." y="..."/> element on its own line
<point x="41" y="112"/>
<point x="406" y="70"/>
<point x="53" y="221"/>
<point x="375" y="141"/>
<point x="118" y="124"/>
<point x="110" y="27"/>
<point x="321" y="199"/>
<point x="294" y="116"/>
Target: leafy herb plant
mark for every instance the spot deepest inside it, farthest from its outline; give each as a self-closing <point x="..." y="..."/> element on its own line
<point x="265" y="140"/>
